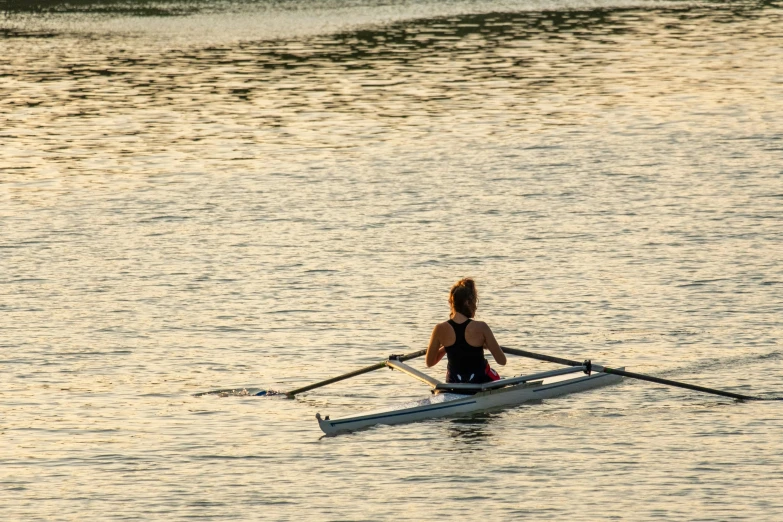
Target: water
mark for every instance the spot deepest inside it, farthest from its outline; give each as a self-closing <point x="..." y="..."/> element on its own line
<point x="197" y="196"/>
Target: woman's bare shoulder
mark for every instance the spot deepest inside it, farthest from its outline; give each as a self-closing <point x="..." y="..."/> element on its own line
<point x="443" y="326"/>
<point x="481" y="325"/>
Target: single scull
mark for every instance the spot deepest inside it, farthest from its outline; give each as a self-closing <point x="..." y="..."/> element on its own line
<point x="459" y="399"/>
<point x="447" y="400"/>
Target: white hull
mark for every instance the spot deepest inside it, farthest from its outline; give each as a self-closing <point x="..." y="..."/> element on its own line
<point x="450" y="404"/>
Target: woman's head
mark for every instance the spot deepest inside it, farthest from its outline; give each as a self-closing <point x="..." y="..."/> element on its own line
<point x="463" y="297"/>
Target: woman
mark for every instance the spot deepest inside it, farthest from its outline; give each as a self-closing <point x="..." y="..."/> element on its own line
<point x="464" y="340"/>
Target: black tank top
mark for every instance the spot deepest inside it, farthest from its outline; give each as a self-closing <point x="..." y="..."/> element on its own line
<point x="466" y="362"/>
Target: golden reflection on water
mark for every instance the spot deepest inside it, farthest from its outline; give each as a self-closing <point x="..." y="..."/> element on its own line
<point x="265" y="213"/>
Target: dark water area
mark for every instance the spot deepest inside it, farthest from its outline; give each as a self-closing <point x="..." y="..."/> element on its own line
<point x="116" y="8"/>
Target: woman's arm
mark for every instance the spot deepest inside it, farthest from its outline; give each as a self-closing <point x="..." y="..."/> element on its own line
<point x="492" y="345"/>
<point x="435" y="350"/>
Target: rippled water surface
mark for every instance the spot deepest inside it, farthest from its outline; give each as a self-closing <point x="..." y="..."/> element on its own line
<point x="197" y="196"/>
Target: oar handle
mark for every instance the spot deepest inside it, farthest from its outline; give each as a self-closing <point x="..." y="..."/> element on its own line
<point x="631" y="375"/>
<point x="366" y="369"/>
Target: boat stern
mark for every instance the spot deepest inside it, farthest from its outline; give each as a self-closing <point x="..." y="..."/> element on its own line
<point x="326" y="426"/>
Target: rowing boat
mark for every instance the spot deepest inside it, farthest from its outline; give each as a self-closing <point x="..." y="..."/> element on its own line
<point x="452" y="399"/>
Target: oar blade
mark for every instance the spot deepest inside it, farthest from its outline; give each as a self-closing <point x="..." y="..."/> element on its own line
<point x="239" y="392"/>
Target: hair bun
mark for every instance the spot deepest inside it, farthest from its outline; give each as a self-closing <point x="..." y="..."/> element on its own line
<point x="463" y="297"/>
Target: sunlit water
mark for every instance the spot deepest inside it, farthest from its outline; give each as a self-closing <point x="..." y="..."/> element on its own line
<point x="204" y="196"/>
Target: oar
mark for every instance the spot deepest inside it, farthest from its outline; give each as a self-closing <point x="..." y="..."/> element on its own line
<point x="649" y="378"/>
<point x="366" y="369"/>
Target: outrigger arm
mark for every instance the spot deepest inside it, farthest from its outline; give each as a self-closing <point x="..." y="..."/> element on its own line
<point x="395" y="362"/>
<point x="438" y="386"/>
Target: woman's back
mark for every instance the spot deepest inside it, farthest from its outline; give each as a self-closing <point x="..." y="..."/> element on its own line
<point x="466" y="360"/>
<point x="464" y="340"/>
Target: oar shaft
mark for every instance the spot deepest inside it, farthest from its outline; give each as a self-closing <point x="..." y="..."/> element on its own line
<point x="540" y="356"/>
<point x="631" y="375"/>
<point x="366" y="369"/>
<point x="677" y="384"/>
